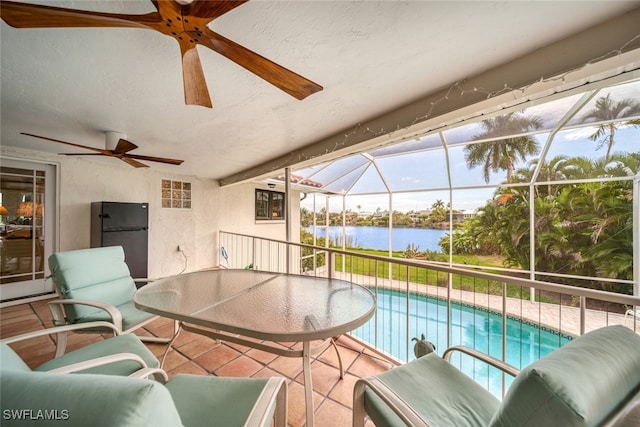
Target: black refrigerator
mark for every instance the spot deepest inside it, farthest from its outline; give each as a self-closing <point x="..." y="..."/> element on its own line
<point x="126" y="225"/>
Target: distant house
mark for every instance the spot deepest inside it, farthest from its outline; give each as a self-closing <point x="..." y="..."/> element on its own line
<point x="419" y="216"/>
<point x="380" y="214"/>
<point x="469" y="213"/>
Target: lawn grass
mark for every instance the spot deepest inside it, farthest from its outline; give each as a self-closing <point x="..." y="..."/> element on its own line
<point x="424" y="275"/>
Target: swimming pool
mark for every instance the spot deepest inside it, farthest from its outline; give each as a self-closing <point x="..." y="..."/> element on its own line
<point x="470" y="326"/>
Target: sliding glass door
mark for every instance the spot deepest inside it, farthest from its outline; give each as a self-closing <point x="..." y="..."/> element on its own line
<point x="27" y="212"/>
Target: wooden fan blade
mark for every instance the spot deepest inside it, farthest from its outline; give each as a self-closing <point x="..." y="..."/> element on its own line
<point x="98" y="150"/>
<point x="124" y="146"/>
<point x="155" y="159"/>
<point x="284" y="79"/>
<point x="211" y="9"/>
<point x="21" y="15"/>
<point x="83" y="154"/>
<point x="134" y="163"/>
<point x="195" y="86"/>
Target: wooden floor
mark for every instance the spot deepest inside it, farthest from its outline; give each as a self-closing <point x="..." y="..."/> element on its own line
<point x="200" y="355"/>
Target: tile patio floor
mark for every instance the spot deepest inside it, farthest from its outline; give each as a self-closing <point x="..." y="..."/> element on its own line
<point x="200" y="355"/>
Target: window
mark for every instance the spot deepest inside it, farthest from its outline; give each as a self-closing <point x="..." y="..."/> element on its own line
<point x="269" y="205"/>
<point x="176" y="194"/>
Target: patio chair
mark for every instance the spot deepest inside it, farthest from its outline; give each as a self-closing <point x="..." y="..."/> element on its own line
<point x="105" y="393"/>
<point x="120" y="355"/>
<point x="592" y="381"/>
<point x="96" y="285"/>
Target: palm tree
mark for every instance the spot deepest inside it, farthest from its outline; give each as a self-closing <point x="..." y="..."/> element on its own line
<point x="501" y="154"/>
<point x="608" y="111"/>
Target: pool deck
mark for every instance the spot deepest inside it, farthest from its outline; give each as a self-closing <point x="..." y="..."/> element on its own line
<point x="561" y="318"/>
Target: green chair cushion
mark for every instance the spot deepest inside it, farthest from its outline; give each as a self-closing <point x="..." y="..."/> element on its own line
<point x="127" y="343"/>
<point x="230" y="399"/>
<point x="96" y="274"/>
<point x="43" y="398"/>
<point x="435" y="389"/>
<point x="131" y="316"/>
<point x="580" y="384"/>
<point x="10" y="361"/>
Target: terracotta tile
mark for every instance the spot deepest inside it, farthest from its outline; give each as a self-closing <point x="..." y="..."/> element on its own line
<point x="165" y="331"/>
<point x="238" y="347"/>
<point x="350" y="343"/>
<point x="159" y="322"/>
<point x="323" y="377"/>
<point x="185" y="337"/>
<point x="267" y="372"/>
<point x="289" y="366"/>
<point x="216" y="358"/>
<point x="197" y="347"/>
<point x="188" y="368"/>
<point x="330" y="357"/>
<point x="343" y="390"/>
<point x="242" y="366"/>
<point x="365" y="366"/>
<point x="157" y="348"/>
<point x="199" y="355"/>
<point x="173" y="360"/>
<point x="333" y="414"/>
<point x="261" y="356"/>
<point x="296" y="413"/>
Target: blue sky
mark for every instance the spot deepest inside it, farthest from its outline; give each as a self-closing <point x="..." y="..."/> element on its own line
<point x="416" y="170"/>
<point x="426" y="170"/>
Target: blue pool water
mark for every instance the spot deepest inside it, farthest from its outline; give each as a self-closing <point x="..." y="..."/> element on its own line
<point x="472" y="327"/>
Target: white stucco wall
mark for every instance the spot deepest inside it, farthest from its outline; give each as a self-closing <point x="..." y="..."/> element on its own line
<point x="85" y="180"/>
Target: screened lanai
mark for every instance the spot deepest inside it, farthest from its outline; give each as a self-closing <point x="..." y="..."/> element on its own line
<point x="552" y="186"/>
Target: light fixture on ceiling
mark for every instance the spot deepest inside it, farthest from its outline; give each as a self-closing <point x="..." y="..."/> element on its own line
<point x="271" y="185"/>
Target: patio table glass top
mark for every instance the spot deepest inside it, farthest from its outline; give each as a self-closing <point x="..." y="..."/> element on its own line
<point x="262" y="305"/>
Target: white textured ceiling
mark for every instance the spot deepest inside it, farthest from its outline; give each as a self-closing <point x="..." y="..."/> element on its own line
<point x="370" y="56"/>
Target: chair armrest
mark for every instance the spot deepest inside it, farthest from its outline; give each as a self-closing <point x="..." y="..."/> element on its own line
<point x="496" y="363"/>
<point x="59" y="329"/>
<point x="99" y="361"/>
<point x="114" y="313"/>
<point x="158" y="374"/>
<point x="146" y="279"/>
<point x="389" y="397"/>
<point x="271" y="402"/>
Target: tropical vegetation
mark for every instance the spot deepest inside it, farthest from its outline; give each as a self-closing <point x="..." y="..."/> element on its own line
<point x="577" y="212"/>
<point x="579" y="228"/>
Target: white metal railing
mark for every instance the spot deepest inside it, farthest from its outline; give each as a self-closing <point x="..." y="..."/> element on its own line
<point x="492" y="313"/>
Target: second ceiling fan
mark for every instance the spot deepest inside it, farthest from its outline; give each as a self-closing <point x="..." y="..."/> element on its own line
<point x="184" y="21"/>
<point x="120" y="151"/>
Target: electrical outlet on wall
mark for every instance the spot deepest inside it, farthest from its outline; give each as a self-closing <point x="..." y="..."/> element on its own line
<point x="179" y="248"/>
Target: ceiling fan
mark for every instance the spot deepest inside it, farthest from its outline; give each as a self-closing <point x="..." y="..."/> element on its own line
<point x="121" y="151"/>
<point x="185" y="21"/>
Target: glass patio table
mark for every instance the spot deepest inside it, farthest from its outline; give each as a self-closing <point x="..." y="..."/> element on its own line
<point x="260" y="309"/>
